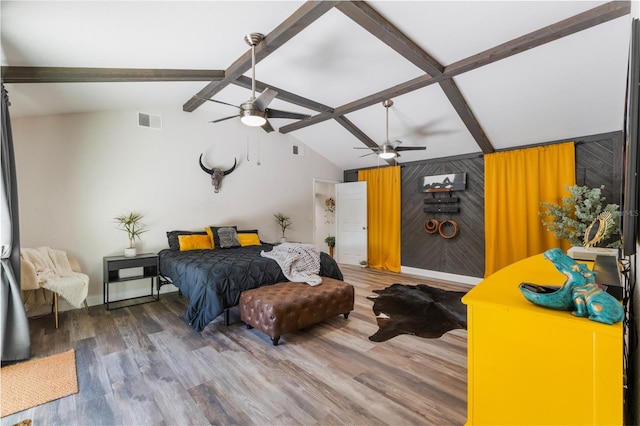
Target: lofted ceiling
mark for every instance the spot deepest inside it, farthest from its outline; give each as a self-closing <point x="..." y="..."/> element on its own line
<point x="465" y="77"/>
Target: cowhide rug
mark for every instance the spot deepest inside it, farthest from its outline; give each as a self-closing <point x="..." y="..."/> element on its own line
<point x="417" y="309"/>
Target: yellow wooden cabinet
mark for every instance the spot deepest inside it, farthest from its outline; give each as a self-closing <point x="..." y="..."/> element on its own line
<point x="532" y="365"/>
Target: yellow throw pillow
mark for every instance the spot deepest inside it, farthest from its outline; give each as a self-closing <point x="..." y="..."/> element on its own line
<point x="194" y="242"/>
<point x="210" y="235"/>
<point x="249" y="240"/>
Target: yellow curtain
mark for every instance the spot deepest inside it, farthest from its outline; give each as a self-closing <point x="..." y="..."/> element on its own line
<point x="383" y="216"/>
<point x="515" y="182"/>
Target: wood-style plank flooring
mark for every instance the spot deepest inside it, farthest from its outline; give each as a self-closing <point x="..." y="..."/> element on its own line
<point x="145" y="365"/>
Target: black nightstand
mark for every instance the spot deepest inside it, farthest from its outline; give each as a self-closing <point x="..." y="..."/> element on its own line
<point x="111" y="267"/>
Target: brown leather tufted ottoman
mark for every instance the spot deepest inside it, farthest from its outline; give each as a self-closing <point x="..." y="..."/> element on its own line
<point x="284" y="307"/>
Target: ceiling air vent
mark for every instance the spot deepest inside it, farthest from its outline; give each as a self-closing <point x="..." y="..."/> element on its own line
<point x="149" y="120"/>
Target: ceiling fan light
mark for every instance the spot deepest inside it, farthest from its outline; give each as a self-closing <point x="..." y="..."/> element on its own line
<point x="387" y="152"/>
<point x="253" y="118"/>
<point x="387" y="155"/>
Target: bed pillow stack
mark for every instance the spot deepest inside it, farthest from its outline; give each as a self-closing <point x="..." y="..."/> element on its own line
<point x="213" y="237"/>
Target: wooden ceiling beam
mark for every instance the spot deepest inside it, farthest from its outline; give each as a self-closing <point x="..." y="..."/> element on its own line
<point x="355" y="131"/>
<point x="590" y="18"/>
<point x="368" y="18"/>
<point x="392" y="92"/>
<point x="574" y="24"/>
<point x="371" y="20"/>
<point x="244" y="81"/>
<point x="294" y="24"/>
<point x="448" y="86"/>
<point x="450" y="89"/>
<point x="13" y="74"/>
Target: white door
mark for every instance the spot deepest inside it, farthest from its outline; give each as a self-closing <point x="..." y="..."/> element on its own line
<point x="351" y="218"/>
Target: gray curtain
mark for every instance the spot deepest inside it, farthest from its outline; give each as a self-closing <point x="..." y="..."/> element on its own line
<point x="14" y="326"/>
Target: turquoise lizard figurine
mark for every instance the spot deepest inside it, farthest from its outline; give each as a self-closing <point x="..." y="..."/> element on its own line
<point x="590" y="301"/>
<point x="560" y="298"/>
<point x="578" y="294"/>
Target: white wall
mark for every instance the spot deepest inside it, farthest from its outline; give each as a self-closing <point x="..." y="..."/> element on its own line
<point x="77" y="172"/>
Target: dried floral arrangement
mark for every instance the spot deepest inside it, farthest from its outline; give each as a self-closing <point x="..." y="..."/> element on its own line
<point x="330" y="205"/>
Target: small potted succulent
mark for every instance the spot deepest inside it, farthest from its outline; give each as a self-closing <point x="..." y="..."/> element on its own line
<point x="131" y="224"/>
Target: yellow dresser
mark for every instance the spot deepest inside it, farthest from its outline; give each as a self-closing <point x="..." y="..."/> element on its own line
<point x="532" y="365"/>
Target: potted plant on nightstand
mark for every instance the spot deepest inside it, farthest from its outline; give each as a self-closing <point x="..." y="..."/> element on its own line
<point x="331" y="242"/>
<point x="130" y="223"/>
<point x="284" y="222"/>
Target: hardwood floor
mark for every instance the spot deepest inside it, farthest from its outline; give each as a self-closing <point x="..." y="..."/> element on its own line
<point x="145" y="365"/>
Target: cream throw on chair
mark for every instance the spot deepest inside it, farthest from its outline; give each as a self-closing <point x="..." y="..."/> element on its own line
<point x="52" y="270"/>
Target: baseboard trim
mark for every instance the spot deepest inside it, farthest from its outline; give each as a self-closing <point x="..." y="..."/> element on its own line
<point x="462" y="279"/>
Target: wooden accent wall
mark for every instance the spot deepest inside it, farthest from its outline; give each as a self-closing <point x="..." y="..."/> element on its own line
<point x="464" y="253"/>
<point x="598" y="162"/>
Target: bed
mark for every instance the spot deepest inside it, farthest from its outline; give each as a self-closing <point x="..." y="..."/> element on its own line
<point x="214" y="279"/>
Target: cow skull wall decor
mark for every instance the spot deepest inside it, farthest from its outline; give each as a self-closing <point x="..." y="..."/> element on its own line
<point x="217" y="174"/>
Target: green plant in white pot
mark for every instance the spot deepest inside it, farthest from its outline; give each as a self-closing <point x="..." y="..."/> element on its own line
<point x="284" y="222"/>
<point x="132" y="225"/>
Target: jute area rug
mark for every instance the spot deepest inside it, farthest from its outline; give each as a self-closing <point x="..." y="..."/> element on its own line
<point x="35" y="382"/>
<point x="419" y="310"/>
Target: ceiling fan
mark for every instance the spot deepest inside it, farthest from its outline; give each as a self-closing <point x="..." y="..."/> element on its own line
<point x="390" y="150"/>
<point x="254" y="112"/>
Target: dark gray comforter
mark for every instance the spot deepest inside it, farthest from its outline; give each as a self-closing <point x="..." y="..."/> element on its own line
<point x="214" y="279"/>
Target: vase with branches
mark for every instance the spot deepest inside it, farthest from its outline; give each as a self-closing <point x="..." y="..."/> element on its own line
<point x="569" y="220"/>
<point x="132" y="225"/>
<point x="284" y="222"/>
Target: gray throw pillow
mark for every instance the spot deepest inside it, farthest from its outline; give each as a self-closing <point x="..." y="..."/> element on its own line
<point x="228" y="238"/>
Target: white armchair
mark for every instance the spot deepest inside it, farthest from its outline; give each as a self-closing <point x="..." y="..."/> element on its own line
<point x="56" y="271"/>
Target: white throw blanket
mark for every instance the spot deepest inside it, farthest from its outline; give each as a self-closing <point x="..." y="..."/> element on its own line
<point x="299" y="262"/>
<point x="54" y="273"/>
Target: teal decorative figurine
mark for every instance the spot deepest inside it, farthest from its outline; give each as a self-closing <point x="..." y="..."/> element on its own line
<point x="578" y="294"/>
<point x="560" y="298"/>
<point x="590" y="301"/>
